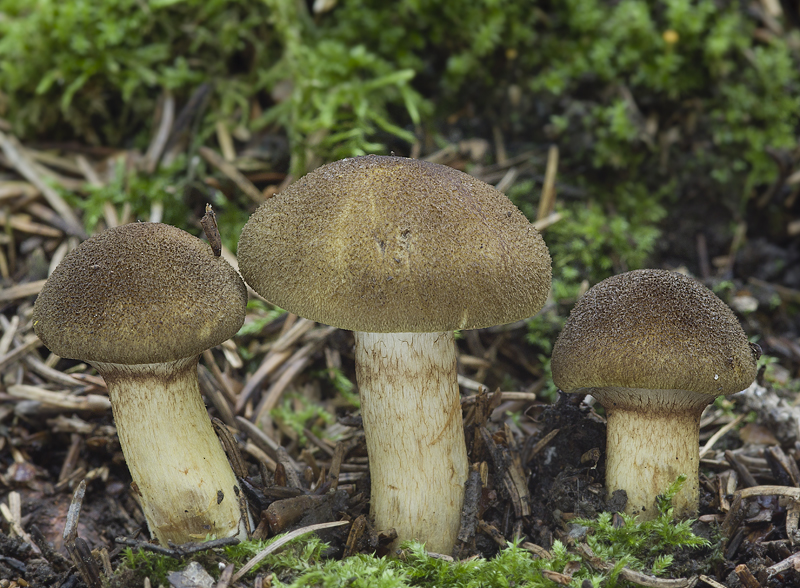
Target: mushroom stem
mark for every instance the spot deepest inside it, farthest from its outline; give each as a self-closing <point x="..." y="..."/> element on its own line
<point x="650" y="442"/>
<point x="185" y="484"/>
<point x="415" y="437"/>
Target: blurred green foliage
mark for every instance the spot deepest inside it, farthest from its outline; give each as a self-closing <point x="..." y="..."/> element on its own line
<point x="639" y="76"/>
<point x="649" y="102"/>
<point x="94" y="69"/>
<point x="596" y="72"/>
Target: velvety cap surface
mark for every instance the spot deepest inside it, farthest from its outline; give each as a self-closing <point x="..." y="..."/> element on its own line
<point x="139" y="293"/>
<point x="389" y="244"/>
<point x="653" y="329"/>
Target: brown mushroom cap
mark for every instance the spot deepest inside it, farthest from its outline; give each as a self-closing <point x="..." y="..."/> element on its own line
<point x="139" y="293"/>
<point x="656" y="330"/>
<point x="389" y="244"/>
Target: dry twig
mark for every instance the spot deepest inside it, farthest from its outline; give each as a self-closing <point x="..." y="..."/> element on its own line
<point x="15" y="154"/>
<point x="245" y="185"/>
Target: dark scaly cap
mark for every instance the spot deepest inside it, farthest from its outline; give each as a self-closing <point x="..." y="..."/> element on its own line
<point x="389" y="244"/>
<point x="139" y="293"/>
<point x="653" y="329"/>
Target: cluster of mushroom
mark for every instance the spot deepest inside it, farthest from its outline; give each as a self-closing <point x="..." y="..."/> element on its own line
<point x="402" y="252"/>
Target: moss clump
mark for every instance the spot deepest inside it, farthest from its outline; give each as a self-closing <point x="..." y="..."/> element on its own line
<point x="94" y="70"/>
<point x="647" y="546"/>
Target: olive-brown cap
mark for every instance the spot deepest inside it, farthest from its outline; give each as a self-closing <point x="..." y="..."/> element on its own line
<point x="139" y="293"/>
<point x="389" y="244"/>
<point x="653" y="329"/>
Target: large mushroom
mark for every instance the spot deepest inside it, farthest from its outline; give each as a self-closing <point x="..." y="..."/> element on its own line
<point x="654" y="348"/>
<point x="402" y="252"/>
<point x="140" y="302"/>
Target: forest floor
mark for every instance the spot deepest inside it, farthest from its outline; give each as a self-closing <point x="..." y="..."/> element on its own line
<point x="285" y="382"/>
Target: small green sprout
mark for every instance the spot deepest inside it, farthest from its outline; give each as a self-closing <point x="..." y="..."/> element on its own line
<point x="146" y="564"/>
<point x="266" y="313"/>
<point x="299" y="413"/>
<point x="341" y="383"/>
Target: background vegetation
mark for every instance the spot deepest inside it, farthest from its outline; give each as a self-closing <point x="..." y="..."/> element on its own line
<point x="652" y="104"/>
<point x="649" y="102"/>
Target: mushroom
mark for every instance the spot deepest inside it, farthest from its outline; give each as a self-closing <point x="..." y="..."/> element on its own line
<point x="654" y="348"/>
<point x="140" y="302"/>
<point x="402" y="252"/>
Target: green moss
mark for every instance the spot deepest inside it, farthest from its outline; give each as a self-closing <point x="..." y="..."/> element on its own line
<point x="298" y="413"/>
<point x="145" y="564"/>
<point x="648" y="102"/>
<point x="339" y="96"/>
<point x="301" y="555"/>
<point x="95" y="69"/>
<point x="647" y="546"/>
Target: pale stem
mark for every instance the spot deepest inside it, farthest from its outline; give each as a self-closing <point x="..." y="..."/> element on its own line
<point x="415" y="438"/>
<point x="653" y="436"/>
<point x="183" y="479"/>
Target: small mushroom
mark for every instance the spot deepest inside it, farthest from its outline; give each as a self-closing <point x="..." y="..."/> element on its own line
<point x="402" y="252"/>
<point x="140" y="302"/>
<point x="654" y="348"/>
